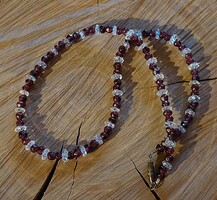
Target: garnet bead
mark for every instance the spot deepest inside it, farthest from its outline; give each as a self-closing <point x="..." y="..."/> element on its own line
<point x="40" y="149"/>
<point x="170" y="150"/>
<point x="33" y="148"/>
<point x="51" y="156"/>
<point x="22" y="135"/>
<point x="25" y="140"/>
<point x="160" y="148"/>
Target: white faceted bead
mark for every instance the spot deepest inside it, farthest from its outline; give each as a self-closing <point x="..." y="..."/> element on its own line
<point x="170" y="124"/>
<point x="167" y="165"/>
<point x="118" y="59"/>
<point x="28" y="146"/>
<point x="159" y="77"/>
<point x="152" y="60"/>
<point x="67" y="42"/>
<point x="114" y="30"/>
<point x="157" y="34"/>
<point x="44" y="154"/>
<point x="193" y="98"/>
<point x="97" y="29"/>
<point x="116" y="76"/>
<point x="142" y="46"/>
<point x="110" y="124"/>
<point x="53" y="49"/>
<point x="30" y="77"/>
<point x="194" y="82"/>
<point x="81" y="33"/>
<point x="166" y="108"/>
<point x="114" y="109"/>
<point x="126" y="45"/>
<point x="162" y="92"/>
<point x="20" y="128"/>
<point x="186" y="51"/>
<point x="83" y="150"/>
<point x="65" y="155"/>
<point x="42" y="64"/>
<point x="117" y="93"/>
<point x="98" y="139"/>
<point x="181" y="129"/>
<point x="190" y="112"/>
<point x="24" y="92"/>
<point x="169" y="143"/>
<point x="193" y="65"/>
<point x="20" y="110"/>
<point x="173" y="38"/>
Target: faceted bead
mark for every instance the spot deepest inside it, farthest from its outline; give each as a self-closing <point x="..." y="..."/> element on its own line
<point x="42" y="64"/>
<point x="40" y="149"/>
<point x="169" y="143"/>
<point x="77" y="153"/>
<point x="122" y="49"/>
<point x="162" y="92"/>
<point x="53" y="49"/>
<point x="114" y="109"/>
<point x="159" y="76"/>
<point x="166" y="108"/>
<point x="113" y="120"/>
<point x="102" y="29"/>
<point x="20" y="128"/>
<point x="98" y="139"/>
<point x="76" y="36"/>
<point x="181" y="129"/>
<point x="25" y="141"/>
<point x="167" y="165"/>
<point x="45" y="59"/>
<point x="33" y="148"/>
<point x="28" y="146"/>
<point x="160" y="148"/>
<point x="30" y="77"/>
<point x="169" y="158"/>
<point x="186" y="51"/>
<point x="190" y="112"/>
<point x="126" y="45"/>
<point x="193" y="98"/>
<point x="169" y="150"/>
<point x="193" y="66"/>
<point x="185" y="123"/>
<point x="22" y="134"/>
<point x="117" y="93"/>
<point x="71" y="155"/>
<point x="194" y="82"/>
<point x="142" y="46"/>
<point x="168" y="117"/>
<point x="117" y="87"/>
<point x="34" y="73"/>
<point x="44" y="154"/>
<point x="20" y="110"/>
<point x="148" y="56"/>
<point x="108" y="129"/>
<point x="116" y="76"/>
<point x="97" y="29"/>
<point x="129" y="34"/>
<point x="83" y="150"/>
<point x="114" y="30"/>
<point x="152" y="33"/>
<point x="177" y="43"/>
<point x="22" y="98"/>
<point x="29" y="82"/>
<point x="39" y="69"/>
<point x="152" y="60"/>
<point x="93" y="145"/>
<point x="50" y="55"/>
<point x="118" y="59"/>
<point x="145" y="33"/>
<point x="108" y="123"/>
<point x="172" y="125"/>
<point x="167" y="113"/>
<point x="26" y="87"/>
<point x="82" y="35"/>
<point x="117" y="99"/>
<point x="21" y="104"/>
<point x="173" y="38"/>
<point x="163" y="170"/>
<point x="117" y="104"/>
<point x="51" y="156"/>
<point x="65" y="154"/>
<point x="67" y="42"/>
<point x="20" y="122"/>
<point x="157" y="34"/>
<point x="24" y="92"/>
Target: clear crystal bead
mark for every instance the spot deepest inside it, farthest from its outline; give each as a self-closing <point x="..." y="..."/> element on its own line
<point x="110" y="124"/>
<point x="118" y="59"/>
<point x="170" y="124"/>
<point x="193" y="65"/>
<point x="20" y="110"/>
<point x="81" y="33"/>
<point x="117" y="93"/>
<point x="142" y="46"/>
<point x="126" y="45"/>
<point x="194" y="82"/>
<point x="159" y="77"/>
<point x="42" y="64"/>
<point x="65" y="155"/>
<point x="24" y="92"/>
<point x="98" y="139"/>
<point x="20" y="128"/>
<point x="152" y="60"/>
<point x="169" y="143"/>
<point x="114" y="30"/>
<point x="139" y="34"/>
<point x="162" y="92"/>
<point x="166" y="108"/>
<point x="181" y="129"/>
<point x="44" y="154"/>
<point x="157" y="34"/>
<point x="131" y="32"/>
<point x="30" y="77"/>
<point x="53" y="49"/>
<point x="173" y="38"/>
<point x="97" y="29"/>
<point x="67" y="42"/>
<point x="116" y="76"/>
<point x="193" y="98"/>
<point x="190" y="112"/>
<point x="186" y="51"/>
<point x="83" y="150"/>
<point x="114" y="109"/>
<point x="28" y="146"/>
<point x="167" y="165"/>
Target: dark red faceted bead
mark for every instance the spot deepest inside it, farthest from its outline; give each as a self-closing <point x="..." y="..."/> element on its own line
<point x="33" y="148"/>
<point x="145" y="33"/>
<point x="39" y="69"/>
<point x="152" y="33"/>
<point x="182" y="47"/>
<point x="169" y="130"/>
<point x="194" y="72"/>
<point x="164" y="98"/>
<point x="45" y="59"/>
<point x="51" y="156"/>
<point x="104" y="135"/>
<point x="146" y="50"/>
<point x="160" y="148"/>
<point x="122" y="49"/>
<point x="159" y="82"/>
<point x="108" y="29"/>
<point x="34" y="73"/>
<point x="119" y="54"/>
<point x="61" y="45"/>
<point x="163" y="170"/>
<point x="71" y="155"/>
<point x="29" y="82"/>
<point x="148" y="55"/>
<point x="196" y="77"/>
<point x="50" y="55"/>
<point x="40" y="149"/>
<point x="160" y="86"/>
<point x="134" y="38"/>
<point x="102" y="29"/>
<point x="58" y="155"/>
<point x="107" y="129"/>
<point x="77" y="153"/>
<point x="165" y="103"/>
<point x="86" y="31"/>
<point x="189" y="61"/>
<point x="26" y="87"/>
<point x="124" y="30"/>
<point x="114" y="115"/>
<point x="21" y="104"/>
<point x="91" y="29"/>
<point x="76" y="36"/>
<point x="189" y="56"/>
<point x="185" y="123"/>
<point x="116" y="87"/>
<point x="117" y="99"/>
<point x="119" y="31"/>
<point x="167" y="113"/>
<point x="25" y="140"/>
<point x="117" y="82"/>
<point x="117" y="104"/>
<point x="22" y="134"/>
<point x="193" y="105"/>
<point x="93" y="144"/>
<point x="118" y="71"/>
<point x="169" y="158"/>
<point x="139" y="42"/>
<point x="113" y="120"/>
<point x="169" y="150"/>
<point x="20" y="123"/>
<point x="177" y="43"/>
<point x="20" y="116"/>
<point x="117" y="66"/>
<point x="70" y="37"/>
<point x="22" y="97"/>
<point x="57" y="48"/>
<point x="166" y="36"/>
<point x="161" y="176"/>
<point x="169" y="118"/>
